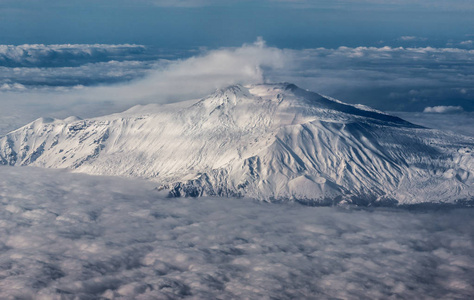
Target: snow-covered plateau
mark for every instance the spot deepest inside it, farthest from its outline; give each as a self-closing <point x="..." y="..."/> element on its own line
<point x="273" y="142"/>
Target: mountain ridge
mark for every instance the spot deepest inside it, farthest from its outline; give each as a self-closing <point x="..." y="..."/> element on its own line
<point x="273" y="142"/>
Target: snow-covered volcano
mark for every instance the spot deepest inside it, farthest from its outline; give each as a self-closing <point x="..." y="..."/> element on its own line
<point x="271" y="141"/>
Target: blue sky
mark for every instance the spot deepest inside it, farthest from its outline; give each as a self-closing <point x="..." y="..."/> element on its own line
<point x="210" y="23"/>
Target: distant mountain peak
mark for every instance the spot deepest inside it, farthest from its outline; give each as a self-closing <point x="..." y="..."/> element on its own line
<point x="272" y="142"/>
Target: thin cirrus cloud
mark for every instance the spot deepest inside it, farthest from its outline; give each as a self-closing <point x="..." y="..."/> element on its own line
<point x="75" y="234"/>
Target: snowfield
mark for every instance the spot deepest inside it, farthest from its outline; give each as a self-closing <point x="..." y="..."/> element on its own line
<point x="76" y="236"/>
<point x="272" y="142"/>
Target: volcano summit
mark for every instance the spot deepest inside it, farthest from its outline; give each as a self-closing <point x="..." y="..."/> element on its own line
<point x="272" y="142"/>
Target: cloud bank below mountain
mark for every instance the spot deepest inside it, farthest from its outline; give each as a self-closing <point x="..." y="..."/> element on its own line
<point x="74" y="234"/>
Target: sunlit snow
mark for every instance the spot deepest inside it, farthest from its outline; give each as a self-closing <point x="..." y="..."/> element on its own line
<point x="267" y="141"/>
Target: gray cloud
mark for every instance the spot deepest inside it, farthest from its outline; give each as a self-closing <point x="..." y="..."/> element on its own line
<point x="67" y="235"/>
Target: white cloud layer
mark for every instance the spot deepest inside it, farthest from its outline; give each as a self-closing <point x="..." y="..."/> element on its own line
<point x="73" y="235"/>
<point x="39" y="55"/>
<point x="443" y="109"/>
<point x="88" y="74"/>
<point x="386" y="78"/>
<point x="175" y="80"/>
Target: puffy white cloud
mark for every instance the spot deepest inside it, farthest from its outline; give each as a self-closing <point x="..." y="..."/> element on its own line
<point x="466" y="43"/>
<point x="39" y="55"/>
<point x="443" y="109"/>
<point x="410" y="38"/>
<point x="74" y="235"/>
<point x="199" y="75"/>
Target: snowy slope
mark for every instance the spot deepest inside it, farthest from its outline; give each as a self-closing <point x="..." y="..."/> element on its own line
<point x="272" y="142"/>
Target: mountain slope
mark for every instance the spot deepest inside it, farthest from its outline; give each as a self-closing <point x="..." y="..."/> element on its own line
<point x="271" y="142"/>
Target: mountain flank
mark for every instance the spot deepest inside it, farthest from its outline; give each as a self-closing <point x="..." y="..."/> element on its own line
<point x="273" y="142"/>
